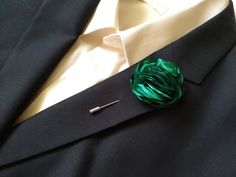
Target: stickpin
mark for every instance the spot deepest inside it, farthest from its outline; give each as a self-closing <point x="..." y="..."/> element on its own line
<point x="98" y="108"/>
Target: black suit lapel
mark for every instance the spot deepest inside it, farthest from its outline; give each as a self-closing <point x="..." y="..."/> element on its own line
<point x="12" y="28"/>
<point x="206" y="46"/>
<point x="70" y="120"/>
<point x="52" y="31"/>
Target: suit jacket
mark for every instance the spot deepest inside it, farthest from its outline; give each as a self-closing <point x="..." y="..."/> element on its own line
<point x="195" y="137"/>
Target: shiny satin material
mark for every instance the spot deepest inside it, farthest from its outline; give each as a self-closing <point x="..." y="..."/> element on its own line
<point x="157" y="82"/>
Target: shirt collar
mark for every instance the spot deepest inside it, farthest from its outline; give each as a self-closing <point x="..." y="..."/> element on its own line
<point x="105" y="17"/>
<point x="140" y="41"/>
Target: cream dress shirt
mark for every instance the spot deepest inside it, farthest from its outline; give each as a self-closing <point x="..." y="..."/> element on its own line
<point x="120" y="34"/>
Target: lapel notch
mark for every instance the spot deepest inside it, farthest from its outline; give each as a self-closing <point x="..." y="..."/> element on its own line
<point x="199" y="52"/>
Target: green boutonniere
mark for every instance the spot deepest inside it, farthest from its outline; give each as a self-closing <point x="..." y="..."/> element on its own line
<point x="157" y="82"/>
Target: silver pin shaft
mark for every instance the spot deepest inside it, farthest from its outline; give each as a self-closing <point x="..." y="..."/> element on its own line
<point x="98" y="108"/>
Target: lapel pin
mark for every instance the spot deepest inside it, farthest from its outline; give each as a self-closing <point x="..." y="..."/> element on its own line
<point x="98" y="108"/>
<point x="157" y="82"/>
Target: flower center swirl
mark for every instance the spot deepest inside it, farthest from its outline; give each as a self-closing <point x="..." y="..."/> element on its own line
<point x="157" y="82"/>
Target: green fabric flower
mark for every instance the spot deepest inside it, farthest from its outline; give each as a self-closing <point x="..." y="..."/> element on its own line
<point x="157" y="82"/>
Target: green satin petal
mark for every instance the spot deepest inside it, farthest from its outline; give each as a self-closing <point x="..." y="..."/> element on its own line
<point x="157" y="82"/>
